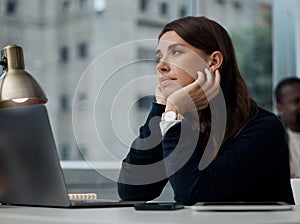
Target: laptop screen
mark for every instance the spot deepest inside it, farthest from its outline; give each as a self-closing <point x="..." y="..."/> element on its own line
<point x="30" y="172"/>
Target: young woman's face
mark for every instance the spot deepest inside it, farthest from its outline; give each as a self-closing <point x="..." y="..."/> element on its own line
<point x="177" y="62"/>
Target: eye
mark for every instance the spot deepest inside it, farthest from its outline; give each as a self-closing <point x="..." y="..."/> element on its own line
<point x="176" y="52"/>
<point x="157" y="59"/>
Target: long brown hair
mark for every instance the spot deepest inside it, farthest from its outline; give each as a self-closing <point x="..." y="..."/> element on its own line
<point x="209" y="36"/>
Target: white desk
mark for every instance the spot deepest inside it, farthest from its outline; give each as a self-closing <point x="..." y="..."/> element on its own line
<point x="34" y="215"/>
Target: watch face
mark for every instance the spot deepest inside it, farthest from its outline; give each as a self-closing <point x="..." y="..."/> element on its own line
<point x="170" y="116"/>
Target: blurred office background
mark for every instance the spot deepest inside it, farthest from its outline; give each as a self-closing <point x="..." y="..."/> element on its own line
<point x="95" y="61"/>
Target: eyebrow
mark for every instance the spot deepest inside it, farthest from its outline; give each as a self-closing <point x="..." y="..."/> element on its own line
<point x="170" y="47"/>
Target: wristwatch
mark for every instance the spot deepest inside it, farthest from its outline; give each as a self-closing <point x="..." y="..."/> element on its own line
<point x="170" y="115"/>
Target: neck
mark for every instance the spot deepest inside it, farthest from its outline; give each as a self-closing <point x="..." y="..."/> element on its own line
<point x="295" y="129"/>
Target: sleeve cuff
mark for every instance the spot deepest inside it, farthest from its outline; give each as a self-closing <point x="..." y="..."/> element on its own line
<point x="166" y="125"/>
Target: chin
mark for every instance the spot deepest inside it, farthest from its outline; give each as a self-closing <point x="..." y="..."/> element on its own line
<point x="169" y="89"/>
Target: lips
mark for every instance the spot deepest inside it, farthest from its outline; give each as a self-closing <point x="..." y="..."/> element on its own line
<point x="164" y="80"/>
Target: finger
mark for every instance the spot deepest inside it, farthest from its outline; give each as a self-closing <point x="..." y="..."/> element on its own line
<point x="160" y="98"/>
<point x="205" y="80"/>
<point x="201" y="103"/>
<point x="216" y="87"/>
<point x="158" y="91"/>
<point x="210" y="88"/>
<point x="218" y="76"/>
<point x="210" y="79"/>
<point x="201" y="78"/>
<point x="213" y="94"/>
<point x="199" y="98"/>
<point x="213" y="91"/>
<point x="217" y="80"/>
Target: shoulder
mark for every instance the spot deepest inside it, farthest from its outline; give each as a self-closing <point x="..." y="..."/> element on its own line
<point x="265" y="125"/>
<point x="264" y="134"/>
<point x="266" y="119"/>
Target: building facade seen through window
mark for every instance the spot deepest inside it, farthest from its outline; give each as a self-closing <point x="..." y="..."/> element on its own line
<point x="95" y="61"/>
<point x="74" y="49"/>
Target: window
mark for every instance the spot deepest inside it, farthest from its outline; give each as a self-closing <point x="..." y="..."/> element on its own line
<point x="82" y="150"/>
<point x="64" y="103"/>
<point x="164" y="9"/>
<point x="237" y="5"/>
<point x="221" y="2"/>
<point x="64" y="151"/>
<point x="66" y="6"/>
<point x="182" y="11"/>
<point x="144" y="5"/>
<point x="82" y="50"/>
<point x="83" y="4"/>
<point x="11" y="7"/>
<point x="64" y="54"/>
<point x="82" y="101"/>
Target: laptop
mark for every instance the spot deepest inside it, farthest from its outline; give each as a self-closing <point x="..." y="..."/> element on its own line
<point x="30" y="171"/>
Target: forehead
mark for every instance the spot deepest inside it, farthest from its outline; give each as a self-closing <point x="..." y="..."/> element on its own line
<point x="170" y="38"/>
<point x="291" y="88"/>
<point x="290" y="92"/>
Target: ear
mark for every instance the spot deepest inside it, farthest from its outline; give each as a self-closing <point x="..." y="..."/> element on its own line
<point x="216" y="60"/>
<point x="279" y="109"/>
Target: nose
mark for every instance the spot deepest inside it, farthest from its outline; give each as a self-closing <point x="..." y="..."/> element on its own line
<point x="162" y="67"/>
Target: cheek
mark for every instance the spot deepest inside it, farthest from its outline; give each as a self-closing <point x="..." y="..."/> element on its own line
<point x="289" y="112"/>
<point x="191" y="73"/>
<point x="185" y="78"/>
<point x="292" y="108"/>
<point x="191" y="67"/>
<point x="187" y="68"/>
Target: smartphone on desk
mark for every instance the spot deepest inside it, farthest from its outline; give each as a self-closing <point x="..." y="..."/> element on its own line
<point x="242" y="206"/>
<point x="158" y="206"/>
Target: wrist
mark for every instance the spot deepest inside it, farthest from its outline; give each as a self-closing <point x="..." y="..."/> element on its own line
<point x="170" y="106"/>
<point x="171" y="115"/>
<point x="160" y="100"/>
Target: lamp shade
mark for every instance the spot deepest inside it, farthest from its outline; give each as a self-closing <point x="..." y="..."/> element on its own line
<point x="17" y="87"/>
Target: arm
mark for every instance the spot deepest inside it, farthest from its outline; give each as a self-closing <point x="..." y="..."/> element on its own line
<point x="142" y="176"/>
<point x="251" y="168"/>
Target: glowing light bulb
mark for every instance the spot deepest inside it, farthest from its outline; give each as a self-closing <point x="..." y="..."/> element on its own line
<point x="20" y="100"/>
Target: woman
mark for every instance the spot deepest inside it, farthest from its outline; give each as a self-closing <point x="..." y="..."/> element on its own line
<point x="250" y="163"/>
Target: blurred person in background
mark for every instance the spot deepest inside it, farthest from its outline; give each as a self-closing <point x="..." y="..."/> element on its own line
<point x="287" y="94"/>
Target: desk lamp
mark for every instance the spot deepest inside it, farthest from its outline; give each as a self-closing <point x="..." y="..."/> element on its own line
<point x="17" y="87"/>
